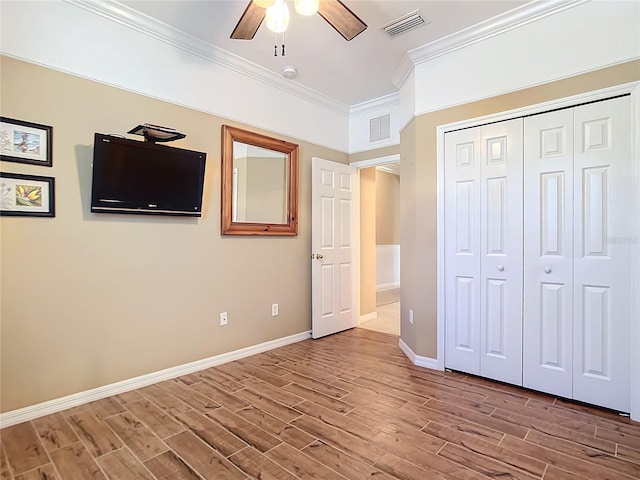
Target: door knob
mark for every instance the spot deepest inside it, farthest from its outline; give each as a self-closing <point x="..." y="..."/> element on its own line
<point x="500" y="268"/>
<point x="547" y="269"/>
<point x="319" y="256"/>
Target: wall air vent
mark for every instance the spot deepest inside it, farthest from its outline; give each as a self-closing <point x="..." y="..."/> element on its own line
<point x="404" y="24"/>
<point x="380" y="128"/>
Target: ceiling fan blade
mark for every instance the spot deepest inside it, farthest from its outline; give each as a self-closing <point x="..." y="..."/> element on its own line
<point x="249" y="22"/>
<point x="338" y="15"/>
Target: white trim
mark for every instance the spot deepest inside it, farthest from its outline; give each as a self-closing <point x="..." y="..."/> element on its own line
<point x="419" y="360"/>
<point x="386" y="101"/>
<point x="368" y="316"/>
<point x="387" y="286"/>
<point x="20" y="415"/>
<point x="634" y="89"/>
<point x="141" y="23"/>
<point x="635" y="253"/>
<point x="504" y="22"/>
<point x="374" y="162"/>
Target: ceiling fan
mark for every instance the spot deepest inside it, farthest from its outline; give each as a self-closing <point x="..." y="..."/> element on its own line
<point x="336" y="13"/>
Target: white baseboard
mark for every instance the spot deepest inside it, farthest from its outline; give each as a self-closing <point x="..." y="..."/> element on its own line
<point x="368" y="316"/>
<point x="418" y="360"/>
<point x="20" y="415"/>
<point x="387" y="286"/>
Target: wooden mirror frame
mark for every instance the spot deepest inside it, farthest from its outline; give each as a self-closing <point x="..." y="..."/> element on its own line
<point x="228" y="226"/>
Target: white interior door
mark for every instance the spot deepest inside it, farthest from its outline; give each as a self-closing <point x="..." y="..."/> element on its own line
<point x="602" y="254"/>
<point x="501" y="251"/>
<point x="548" y="253"/>
<point x="333" y="271"/>
<point x="462" y="250"/>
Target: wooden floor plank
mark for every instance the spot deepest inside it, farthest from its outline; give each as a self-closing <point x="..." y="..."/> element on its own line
<point x="210" y="432"/>
<point x="247" y="431"/>
<point x="153" y="417"/>
<point x="552" y="457"/>
<point x="74" y="462"/>
<point x="257" y="466"/>
<point x="54" y="431"/>
<point x="95" y="434"/>
<point x="168" y="466"/>
<point x="268" y="405"/>
<point x="585" y="453"/>
<point x="203" y="459"/>
<point x="141" y="441"/>
<point x="319" y="398"/>
<point x="284" y="431"/>
<point x="300" y="464"/>
<point x="47" y="472"/>
<point x="23" y="448"/>
<point x="220" y="395"/>
<point x="341" y="462"/>
<point x="190" y="396"/>
<point x="348" y="406"/>
<point x="4" y="466"/>
<point x="122" y="465"/>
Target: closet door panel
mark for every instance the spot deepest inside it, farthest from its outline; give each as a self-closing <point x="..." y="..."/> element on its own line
<point x="501" y="249"/>
<point x="548" y="253"/>
<point x="462" y="250"/>
<point x="602" y="251"/>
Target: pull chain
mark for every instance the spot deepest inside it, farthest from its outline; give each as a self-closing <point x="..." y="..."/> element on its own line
<point x="283" y="44"/>
<point x="275" y="46"/>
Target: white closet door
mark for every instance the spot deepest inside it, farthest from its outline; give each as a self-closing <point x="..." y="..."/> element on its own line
<point x="548" y="253"/>
<point x="602" y="250"/>
<point x="501" y="251"/>
<point x="462" y="250"/>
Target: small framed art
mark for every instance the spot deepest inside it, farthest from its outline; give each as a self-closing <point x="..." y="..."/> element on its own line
<point x="27" y="195"/>
<point x="25" y="142"/>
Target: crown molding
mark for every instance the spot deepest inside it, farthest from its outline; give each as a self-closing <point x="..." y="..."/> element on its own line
<point x="135" y="20"/>
<point x="504" y="22"/>
<point x="386" y="101"/>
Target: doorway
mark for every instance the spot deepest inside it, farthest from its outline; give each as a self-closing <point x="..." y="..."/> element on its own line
<point x="380" y="245"/>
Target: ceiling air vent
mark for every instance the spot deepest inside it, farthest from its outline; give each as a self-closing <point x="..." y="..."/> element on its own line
<point x="404" y="24"/>
<point x="380" y="128"/>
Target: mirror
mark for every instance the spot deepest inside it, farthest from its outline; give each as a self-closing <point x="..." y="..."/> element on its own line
<point x="259" y="184"/>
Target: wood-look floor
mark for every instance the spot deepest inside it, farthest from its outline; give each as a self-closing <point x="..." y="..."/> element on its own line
<point x="349" y="406"/>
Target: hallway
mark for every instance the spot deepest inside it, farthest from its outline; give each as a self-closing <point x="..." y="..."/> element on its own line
<point x="388" y="313"/>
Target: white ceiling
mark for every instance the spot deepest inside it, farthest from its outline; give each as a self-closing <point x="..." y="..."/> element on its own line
<point x="349" y="72"/>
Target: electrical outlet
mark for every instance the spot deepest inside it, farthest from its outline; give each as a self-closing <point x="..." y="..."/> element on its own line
<point x="274" y="310"/>
<point x="411" y="316"/>
<point x="223" y="319"/>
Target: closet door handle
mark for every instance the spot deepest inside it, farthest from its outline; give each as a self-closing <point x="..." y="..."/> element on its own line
<point x="500" y="268"/>
<point x="547" y="269"/>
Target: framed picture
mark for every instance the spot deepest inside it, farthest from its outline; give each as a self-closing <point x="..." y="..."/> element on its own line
<point x="25" y="142"/>
<point x="27" y="195"/>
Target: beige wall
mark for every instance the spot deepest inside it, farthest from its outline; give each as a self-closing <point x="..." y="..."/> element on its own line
<point x="418" y="196"/>
<point x="387" y="208"/>
<point x="377" y="153"/>
<point x="90" y="299"/>
<point x="367" y="240"/>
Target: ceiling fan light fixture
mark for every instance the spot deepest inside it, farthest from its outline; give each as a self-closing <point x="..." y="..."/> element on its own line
<point x="264" y="3"/>
<point x="307" y="7"/>
<point x="278" y="17"/>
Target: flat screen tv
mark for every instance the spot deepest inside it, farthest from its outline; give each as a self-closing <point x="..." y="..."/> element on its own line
<point x="130" y="176"/>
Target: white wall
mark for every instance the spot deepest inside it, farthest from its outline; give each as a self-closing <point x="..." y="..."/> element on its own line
<point x="577" y="40"/>
<point x="387" y="266"/>
<point x="66" y="36"/>
<point x="359" y="123"/>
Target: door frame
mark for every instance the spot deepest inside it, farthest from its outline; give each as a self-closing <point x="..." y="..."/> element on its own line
<point x="632" y="88"/>
<point x="360" y="164"/>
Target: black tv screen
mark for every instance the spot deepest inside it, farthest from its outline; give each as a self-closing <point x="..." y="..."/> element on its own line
<point x="130" y="176"/>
